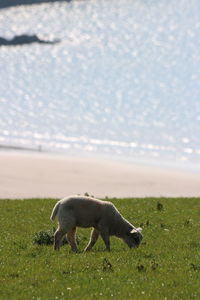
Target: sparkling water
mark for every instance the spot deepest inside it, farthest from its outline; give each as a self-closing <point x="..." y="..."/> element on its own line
<point x="123" y="81"/>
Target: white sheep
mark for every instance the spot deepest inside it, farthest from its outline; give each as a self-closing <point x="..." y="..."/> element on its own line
<point x="85" y="212"/>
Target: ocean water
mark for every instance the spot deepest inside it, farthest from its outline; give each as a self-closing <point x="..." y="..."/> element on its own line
<point x="123" y="81"/>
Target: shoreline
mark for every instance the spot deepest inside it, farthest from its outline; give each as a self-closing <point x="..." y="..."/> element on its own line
<point x="44" y="175"/>
<point x="181" y="166"/>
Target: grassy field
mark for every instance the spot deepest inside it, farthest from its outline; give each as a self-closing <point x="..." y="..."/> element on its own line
<point x="165" y="266"/>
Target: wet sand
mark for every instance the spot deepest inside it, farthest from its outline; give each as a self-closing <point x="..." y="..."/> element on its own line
<point x="30" y="175"/>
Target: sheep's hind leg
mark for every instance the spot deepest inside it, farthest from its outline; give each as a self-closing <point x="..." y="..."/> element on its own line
<point x="59" y="234"/>
<point x="93" y="238"/>
<point x="71" y="237"/>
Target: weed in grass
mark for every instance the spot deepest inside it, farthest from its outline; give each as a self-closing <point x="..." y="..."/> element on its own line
<point x="144" y="224"/>
<point x="107" y="266"/>
<point x="154" y="265"/>
<point x="13" y="275"/>
<point x="195" y="267"/>
<point x="87" y="195"/>
<point x="67" y="272"/>
<point x="188" y="222"/>
<point x="140" y="267"/>
<point x="159" y="206"/>
<point x="148" y="223"/>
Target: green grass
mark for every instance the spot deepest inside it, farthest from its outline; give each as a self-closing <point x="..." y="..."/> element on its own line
<point x="165" y="266"/>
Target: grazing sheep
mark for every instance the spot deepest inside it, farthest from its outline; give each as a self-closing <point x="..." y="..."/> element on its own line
<point x="86" y="212"/>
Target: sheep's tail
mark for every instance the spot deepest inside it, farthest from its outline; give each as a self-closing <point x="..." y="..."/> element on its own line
<point x="55" y="211"/>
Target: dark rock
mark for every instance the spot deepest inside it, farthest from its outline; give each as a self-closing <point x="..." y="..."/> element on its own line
<point x="24" y="39"/>
<point x="8" y="3"/>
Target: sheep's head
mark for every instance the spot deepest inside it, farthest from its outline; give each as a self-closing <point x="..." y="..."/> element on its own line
<point x="133" y="237"/>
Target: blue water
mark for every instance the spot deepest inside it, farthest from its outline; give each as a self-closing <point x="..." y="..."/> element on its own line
<point x="124" y="81"/>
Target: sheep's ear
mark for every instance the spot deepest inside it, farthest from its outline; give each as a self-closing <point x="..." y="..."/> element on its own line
<point x="139" y="229"/>
<point x="133" y="231"/>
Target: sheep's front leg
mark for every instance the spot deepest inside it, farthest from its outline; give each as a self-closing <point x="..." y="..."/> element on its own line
<point x="106" y="239"/>
<point x="71" y="237"/>
<point x="93" y="238"/>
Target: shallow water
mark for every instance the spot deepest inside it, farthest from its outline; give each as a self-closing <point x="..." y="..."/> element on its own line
<point x="123" y="81"/>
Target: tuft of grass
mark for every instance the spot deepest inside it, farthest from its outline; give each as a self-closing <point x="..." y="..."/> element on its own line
<point x="44" y="237"/>
<point x="165" y="266"/>
<point x="107" y="266"/>
<point x="159" y="206"/>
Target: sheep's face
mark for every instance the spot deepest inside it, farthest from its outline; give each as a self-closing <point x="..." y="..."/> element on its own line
<point x="133" y="238"/>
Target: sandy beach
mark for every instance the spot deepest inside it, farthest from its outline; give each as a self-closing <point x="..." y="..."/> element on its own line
<point x="27" y="175"/>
